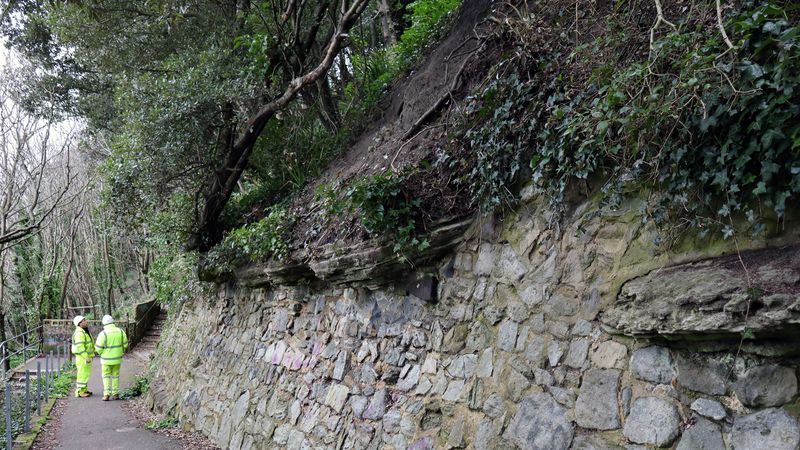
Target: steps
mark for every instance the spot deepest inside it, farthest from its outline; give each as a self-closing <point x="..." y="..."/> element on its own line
<point x="147" y="345"/>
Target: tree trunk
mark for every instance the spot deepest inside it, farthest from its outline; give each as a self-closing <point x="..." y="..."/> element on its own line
<point x="344" y="72"/>
<point x="63" y="297"/>
<point x="319" y="96"/>
<point x="109" y="276"/>
<point x="7" y="362"/>
<point x="237" y="155"/>
<point x="2" y="306"/>
<point x="387" y="25"/>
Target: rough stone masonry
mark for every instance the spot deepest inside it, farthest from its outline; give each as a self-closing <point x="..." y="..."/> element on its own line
<point x="588" y="337"/>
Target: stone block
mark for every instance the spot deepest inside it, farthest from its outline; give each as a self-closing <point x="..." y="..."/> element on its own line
<point x="507" y="335"/>
<point x="540" y="424"/>
<point x="765" y="386"/>
<point x="653" y="421"/>
<point x="771" y="428"/>
<point x="485" y="364"/>
<point x="576" y="355"/>
<point x="709" y="408"/>
<point x="610" y="355"/>
<point x="337" y="397"/>
<point x="494" y="406"/>
<point x="702" y="375"/>
<point x="653" y="364"/>
<point x="597" y="406"/>
<point x="377" y="406"/>
<point x="702" y="435"/>
<point x="486" y="259"/>
<point x="509" y="266"/>
<point x="454" y="391"/>
<point x="410" y="380"/>
<point x="554" y="353"/>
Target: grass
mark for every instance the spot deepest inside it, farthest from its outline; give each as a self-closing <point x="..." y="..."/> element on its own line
<point x="139" y="387"/>
<point x="167" y="422"/>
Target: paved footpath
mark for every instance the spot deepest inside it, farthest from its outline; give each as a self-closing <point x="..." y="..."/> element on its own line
<point x="90" y="423"/>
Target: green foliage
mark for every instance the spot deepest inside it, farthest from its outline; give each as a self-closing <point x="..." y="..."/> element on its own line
<point x="712" y="132"/>
<point x="173" y="279"/>
<point x="63" y="385"/>
<point x="502" y="124"/>
<point x="60" y="387"/>
<point x="167" y="422"/>
<point x="298" y="147"/>
<point x="257" y="241"/>
<point x="140" y="386"/>
<point x="387" y="210"/>
<point x="263" y="239"/>
<point x="39" y="293"/>
<point x="705" y="125"/>
<point x="427" y="19"/>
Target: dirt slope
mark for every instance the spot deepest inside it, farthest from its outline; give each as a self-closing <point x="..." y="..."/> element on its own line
<point x="417" y="117"/>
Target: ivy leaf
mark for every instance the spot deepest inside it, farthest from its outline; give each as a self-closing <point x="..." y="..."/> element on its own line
<point x="602" y="127"/>
<point x="707" y="123"/>
<point x="755" y="70"/>
<point x="727" y="232"/>
<point x="423" y="245"/>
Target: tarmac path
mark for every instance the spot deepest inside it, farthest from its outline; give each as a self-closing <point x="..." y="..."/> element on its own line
<point x="90" y="423"/>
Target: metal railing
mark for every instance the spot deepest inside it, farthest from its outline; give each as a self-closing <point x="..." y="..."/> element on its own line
<point x="144" y="321"/>
<point x="21" y="400"/>
<point x="30" y="345"/>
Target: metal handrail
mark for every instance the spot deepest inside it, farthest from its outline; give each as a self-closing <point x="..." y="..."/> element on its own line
<point x="144" y="316"/>
<point x="20" y="335"/>
<point x="26" y="346"/>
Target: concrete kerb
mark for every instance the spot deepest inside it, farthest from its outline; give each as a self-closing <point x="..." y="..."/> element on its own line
<point x="25" y="441"/>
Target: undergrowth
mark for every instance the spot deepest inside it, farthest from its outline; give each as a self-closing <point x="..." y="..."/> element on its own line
<point x="387" y="210"/>
<point x="299" y="147"/>
<point x="139" y="387"/>
<point x="705" y="129"/>
<point x="711" y="131"/>
<point x="167" y="422"/>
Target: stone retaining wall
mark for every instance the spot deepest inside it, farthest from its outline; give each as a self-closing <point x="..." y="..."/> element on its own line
<point x="510" y="351"/>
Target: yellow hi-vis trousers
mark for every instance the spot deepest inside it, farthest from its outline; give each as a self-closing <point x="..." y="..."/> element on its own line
<point x="82" y="376"/>
<point x="111" y="379"/>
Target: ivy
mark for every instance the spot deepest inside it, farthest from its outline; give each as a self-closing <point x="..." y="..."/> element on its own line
<point x="712" y="133"/>
<point x="503" y="122"/>
<point x="257" y="241"/>
<point x="711" y="128"/>
<point x="386" y="210"/>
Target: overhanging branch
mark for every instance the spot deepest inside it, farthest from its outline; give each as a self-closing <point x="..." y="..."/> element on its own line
<point x="239" y="153"/>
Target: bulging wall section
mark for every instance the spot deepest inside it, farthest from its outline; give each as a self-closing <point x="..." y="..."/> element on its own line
<point x="524" y="346"/>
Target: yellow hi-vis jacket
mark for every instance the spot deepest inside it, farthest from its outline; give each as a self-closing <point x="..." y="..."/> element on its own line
<point x="111" y="344"/>
<point x="82" y="345"/>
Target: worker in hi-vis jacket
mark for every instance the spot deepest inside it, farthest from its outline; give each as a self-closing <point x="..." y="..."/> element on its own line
<point x="83" y="349"/>
<point x="111" y="345"/>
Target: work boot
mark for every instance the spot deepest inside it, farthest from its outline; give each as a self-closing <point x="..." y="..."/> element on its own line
<point x="85" y="394"/>
<point x="105" y="398"/>
<point x="115" y="397"/>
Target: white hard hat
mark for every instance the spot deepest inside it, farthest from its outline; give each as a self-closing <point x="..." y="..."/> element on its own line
<point x="107" y="319"/>
<point x="77" y="320"/>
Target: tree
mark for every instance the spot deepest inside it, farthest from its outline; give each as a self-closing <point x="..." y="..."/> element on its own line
<point x="35" y="180"/>
<point x="227" y="67"/>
